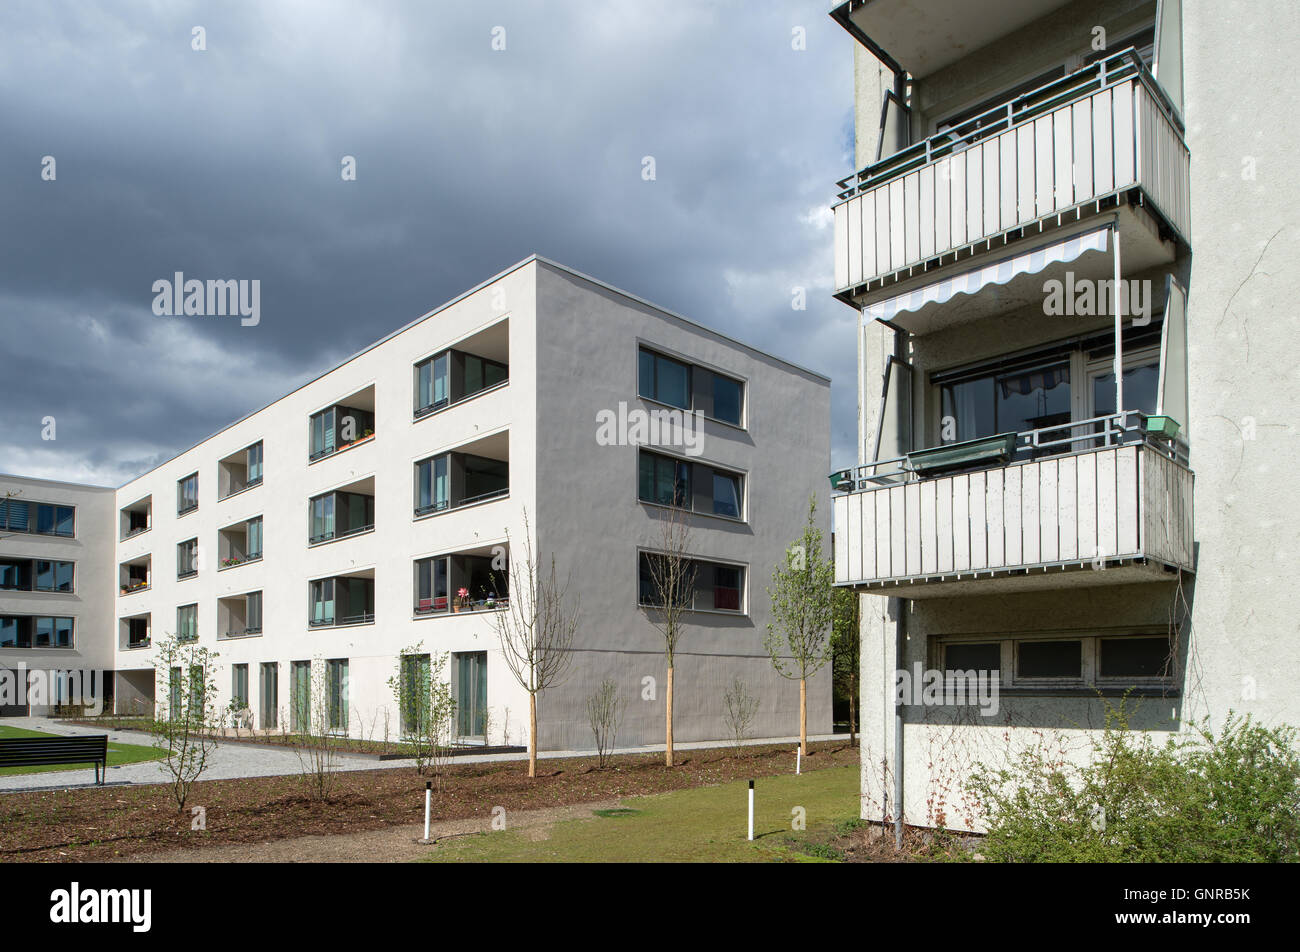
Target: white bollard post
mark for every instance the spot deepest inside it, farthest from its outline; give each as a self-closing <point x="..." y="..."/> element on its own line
<point x="751" y="809"/>
<point x="798" y="760"/>
<point x="428" y="794"/>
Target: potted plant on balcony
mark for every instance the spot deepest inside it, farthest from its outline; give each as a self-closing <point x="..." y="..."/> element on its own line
<point x="462" y="599"/>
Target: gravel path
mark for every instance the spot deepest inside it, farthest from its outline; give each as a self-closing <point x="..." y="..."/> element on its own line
<point x="230" y="761"/>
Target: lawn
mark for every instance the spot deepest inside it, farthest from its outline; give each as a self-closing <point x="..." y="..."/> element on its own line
<point x="118" y="754"/>
<point x="707" y="824"/>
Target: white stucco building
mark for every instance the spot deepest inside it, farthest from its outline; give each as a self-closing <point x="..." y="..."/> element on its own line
<point x="339" y="525"/>
<point x="1015" y="509"/>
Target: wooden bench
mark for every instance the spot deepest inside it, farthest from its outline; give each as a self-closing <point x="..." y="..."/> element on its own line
<point x="53" y="751"/>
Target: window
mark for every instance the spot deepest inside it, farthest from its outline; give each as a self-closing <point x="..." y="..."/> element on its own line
<point x="340" y="514"/>
<point x="174" y="711"/>
<point x="40" y="518"/>
<point x="690" y="387"/>
<point x="668" y="481"/>
<point x="727" y="399"/>
<point x="16" y="575"/>
<point x="36" y="575"/>
<point x="187" y="559"/>
<point x="187" y="623"/>
<point x="432" y="485"/>
<point x="433" y="383"/>
<point x="253" y="613"/>
<point x="300" y="697"/>
<point x="255" y="464"/>
<point x="1049" y="659"/>
<point x="1011" y="401"/>
<point x="343" y="600"/>
<point x="137" y="632"/>
<point x="439" y="580"/>
<point x="458" y="479"/>
<point x="254" y="529"/>
<point x="187" y="494"/>
<point x="239" y="686"/>
<point x="41" y="631"/>
<point x="1047" y="662"/>
<point x="270" y="694"/>
<point x="664" y="379"/>
<point x="1135" y="658"/>
<point x="337" y="428"/>
<point x="481" y="373"/>
<point x="700" y="585"/>
<point x="664" y="480"/>
<point x="471" y="693"/>
<point x="415" y="694"/>
<point x="336" y="691"/>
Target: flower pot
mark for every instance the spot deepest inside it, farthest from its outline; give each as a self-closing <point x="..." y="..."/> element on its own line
<point x="1165" y="426"/>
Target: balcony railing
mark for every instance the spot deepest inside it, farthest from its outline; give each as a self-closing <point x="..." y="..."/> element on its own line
<point x="448" y="505"/>
<point x="132" y="533"/>
<point x="332" y="621"/>
<point x="343" y="534"/>
<point x="1085" y="137"/>
<point x="232" y="561"/>
<point x="446" y="606"/>
<point x="243" y="632"/>
<point x="1103" y="492"/>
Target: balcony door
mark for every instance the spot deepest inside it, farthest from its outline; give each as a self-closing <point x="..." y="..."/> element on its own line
<point x="471" y="694"/>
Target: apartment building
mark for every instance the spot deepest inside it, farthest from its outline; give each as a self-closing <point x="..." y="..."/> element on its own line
<point x="56" y="546"/>
<point x="380" y="506"/>
<point x="1086" y="504"/>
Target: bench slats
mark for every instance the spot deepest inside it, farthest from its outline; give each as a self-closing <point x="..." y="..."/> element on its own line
<point x="54" y="751"/>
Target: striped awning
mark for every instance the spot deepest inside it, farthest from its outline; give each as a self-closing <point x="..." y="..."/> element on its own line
<point x="998" y="272"/>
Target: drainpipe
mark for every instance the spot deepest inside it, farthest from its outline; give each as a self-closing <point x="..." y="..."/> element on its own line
<point x="900" y="636"/>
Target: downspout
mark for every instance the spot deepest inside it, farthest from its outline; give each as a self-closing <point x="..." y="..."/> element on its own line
<point x="900" y="638"/>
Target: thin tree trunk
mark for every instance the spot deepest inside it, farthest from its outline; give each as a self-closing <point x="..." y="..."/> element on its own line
<point x="532" y="735"/>
<point x="668" y="759"/>
<point x="853" y="715"/>
<point x="803" y="716"/>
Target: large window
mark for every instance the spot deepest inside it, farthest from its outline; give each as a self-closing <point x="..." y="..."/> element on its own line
<point x="187" y="494"/>
<point x="187" y="623"/>
<point x="701" y="585"/>
<point x="668" y="481"/>
<point x="187" y="559"/>
<point x="255" y="464"/>
<point x="690" y="387"/>
<point x="471" y="693"/>
<point x="415" y="693"/>
<point x="339" y="427"/>
<point x="37" y="517"/>
<point x="452" y="376"/>
<point x="439" y="581"/>
<point x="343" y="600"/>
<point x="239" y="686"/>
<point x="40" y="631"/>
<point x="270" y="694"/>
<point x="1012" y="401"/>
<point x="36" y="575"/>
<point x="336" y="691"/>
<point x="337" y="515"/>
<point x="137" y="632"/>
<point x="300" y="696"/>
<point x="458" y="479"/>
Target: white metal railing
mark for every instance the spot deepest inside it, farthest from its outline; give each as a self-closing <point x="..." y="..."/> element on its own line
<point x="1090" y="135"/>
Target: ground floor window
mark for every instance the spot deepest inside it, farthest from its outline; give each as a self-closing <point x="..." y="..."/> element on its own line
<point x="415" y="694"/>
<point x="471" y="693"/>
<point x="1050" y="661"/>
<point x="336" y="693"/>
<point x="239" y="686"/>
<point x="300" y="697"/>
<point x="270" y="694"/>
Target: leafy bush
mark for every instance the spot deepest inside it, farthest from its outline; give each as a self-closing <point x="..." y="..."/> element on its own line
<point x="1196" y="798"/>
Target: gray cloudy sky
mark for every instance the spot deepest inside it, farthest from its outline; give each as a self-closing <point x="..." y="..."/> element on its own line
<point x="225" y="164"/>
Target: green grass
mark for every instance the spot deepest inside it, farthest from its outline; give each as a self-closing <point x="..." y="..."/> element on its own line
<point x="118" y="754"/>
<point x="706" y="824"/>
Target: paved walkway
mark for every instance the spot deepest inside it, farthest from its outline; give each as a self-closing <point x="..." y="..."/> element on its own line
<point x="237" y="759"/>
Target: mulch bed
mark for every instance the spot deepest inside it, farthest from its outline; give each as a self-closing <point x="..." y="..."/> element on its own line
<point x="90" y="824"/>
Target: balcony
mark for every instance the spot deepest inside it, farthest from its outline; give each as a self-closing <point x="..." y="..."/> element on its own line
<point x="1096" y="502"/>
<point x="134" y="632"/>
<point x="342" y="600"/>
<point x="344" y="425"/>
<point x="239" y="471"/>
<point x="239" y="543"/>
<point x="135" y="575"/>
<point x="474" y="366"/>
<point x="342" y="513"/>
<point x="239" y="616"/>
<point x="475" y="580"/>
<point x="1103" y="137"/>
<point x="477" y="472"/>
<point x="135" y="518"/>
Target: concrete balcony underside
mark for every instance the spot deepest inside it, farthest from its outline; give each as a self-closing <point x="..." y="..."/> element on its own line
<point x="1102" y="517"/>
<point x="950" y="202"/>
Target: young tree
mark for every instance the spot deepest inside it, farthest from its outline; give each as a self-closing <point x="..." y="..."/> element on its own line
<point x="846" y="645"/>
<point x="604" y="714"/>
<point x="672" y="584"/>
<point x="741" y="708"/>
<point x="798" y="635"/>
<point x="536" y="629"/>
<point x="185" y="724"/>
<point x="426" y="709"/>
<point x="320" y="740"/>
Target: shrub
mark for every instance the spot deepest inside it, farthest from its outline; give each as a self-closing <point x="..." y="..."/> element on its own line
<point x="1196" y="798"/>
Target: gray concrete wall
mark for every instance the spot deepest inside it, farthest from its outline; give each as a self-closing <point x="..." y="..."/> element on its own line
<point x="589" y="516"/>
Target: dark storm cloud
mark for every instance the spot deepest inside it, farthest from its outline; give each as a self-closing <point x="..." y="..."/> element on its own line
<point x="225" y="163"/>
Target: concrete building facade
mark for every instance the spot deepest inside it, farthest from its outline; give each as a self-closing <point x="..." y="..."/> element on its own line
<point x="1088" y="543"/>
